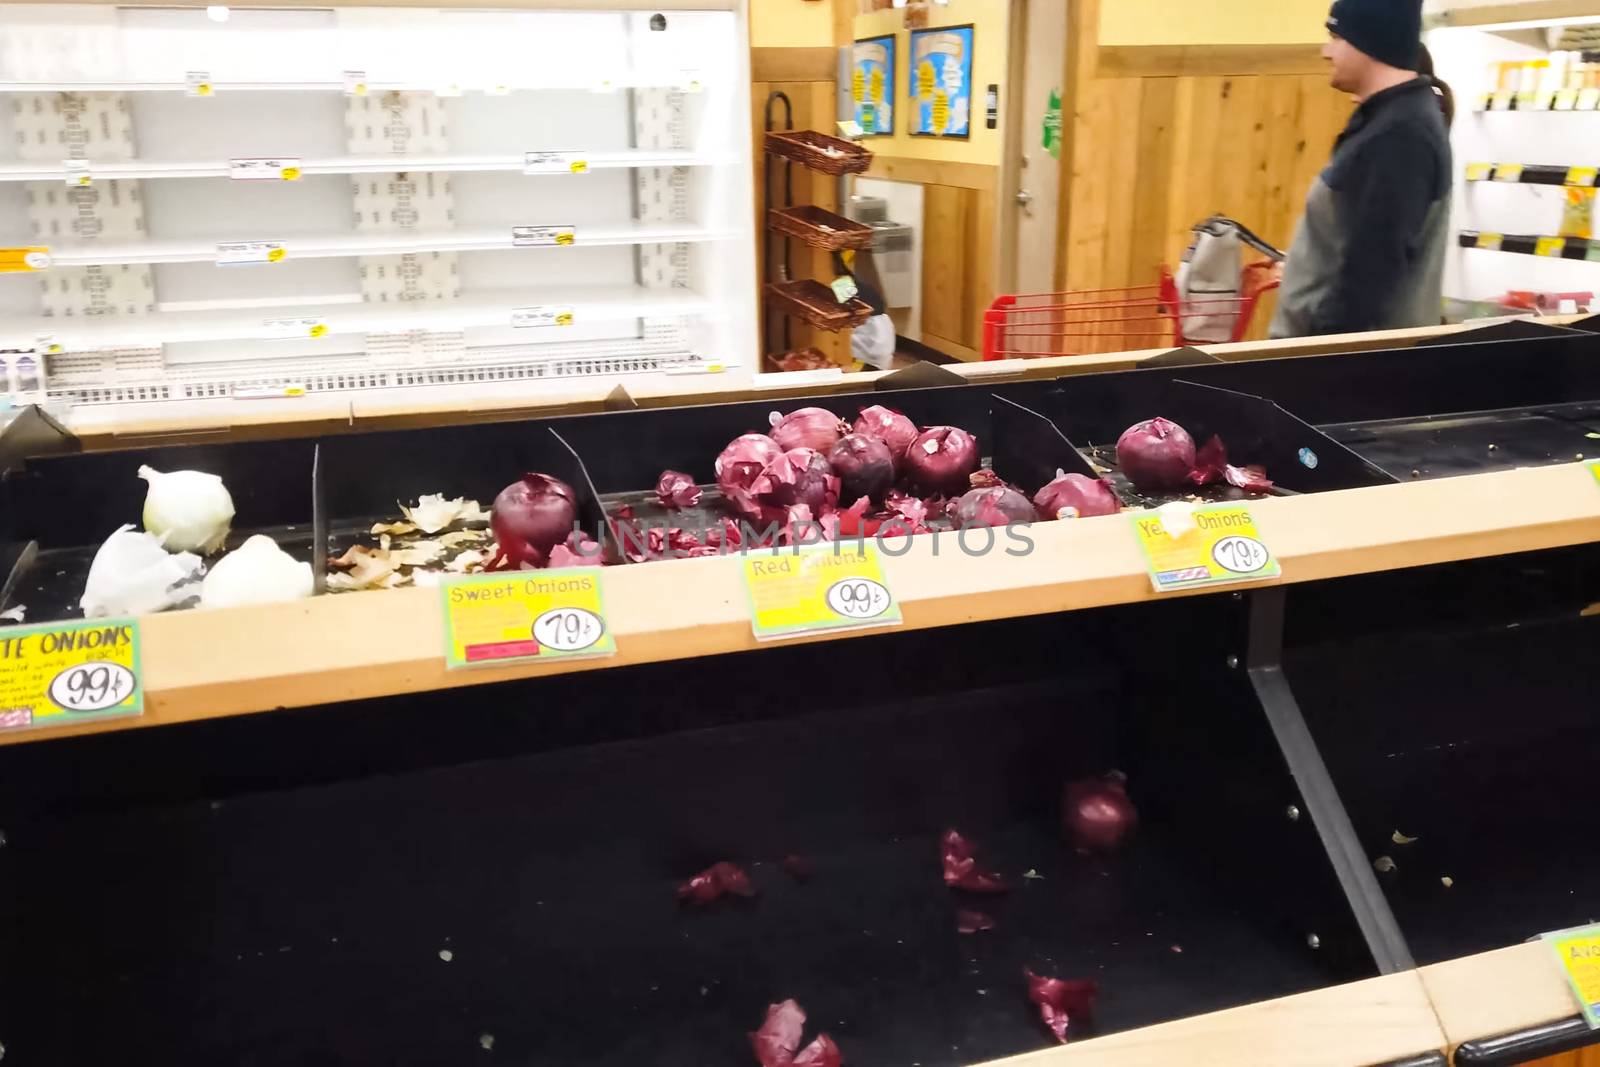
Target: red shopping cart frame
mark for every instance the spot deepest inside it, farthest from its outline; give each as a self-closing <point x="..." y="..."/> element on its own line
<point x="1095" y="321"/>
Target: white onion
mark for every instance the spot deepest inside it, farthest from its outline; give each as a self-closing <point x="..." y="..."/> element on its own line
<point x="190" y="511"/>
<point x="257" y="572"/>
<point x="132" y="574"/>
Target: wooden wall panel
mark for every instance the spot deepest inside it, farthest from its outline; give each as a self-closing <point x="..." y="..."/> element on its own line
<point x="957" y="267"/>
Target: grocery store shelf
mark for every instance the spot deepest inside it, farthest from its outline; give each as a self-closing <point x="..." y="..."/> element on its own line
<point x="1575" y="177"/>
<point x="308" y="167"/>
<point x="640" y="80"/>
<point x="1575" y="101"/>
<point x="376" y="244"/>
<point x="588" y="304"/>
<point x="301" y="654"/>
<point x="1548" y="247"/>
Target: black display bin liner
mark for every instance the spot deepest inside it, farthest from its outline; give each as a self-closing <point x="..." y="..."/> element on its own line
<point x="279" y="889"/>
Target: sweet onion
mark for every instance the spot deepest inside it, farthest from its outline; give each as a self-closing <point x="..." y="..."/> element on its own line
<point x="1075" y="496"/>
<point x="888" y="426"/>
<point x="941" y="459"/>
<point x="190" y="511"/>
<point x="530" y="517"/>
<point x="814" y="428"/>
<point x="1097" y="814"/>
<point x="1156" y="454"/>
<point x="864" y="466"/>
<point x="998" y="506"/>
<point x="257" y="572"/>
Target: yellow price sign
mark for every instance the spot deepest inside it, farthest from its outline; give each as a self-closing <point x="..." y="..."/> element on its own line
<point x="290" y="174"/>
<point x="277" y="255"/>
<point x="1550" y="246"/>
<point x="1508" y="172"/>
<point x="565" y="238"/>
<point x="58" y="674"/>
<point x="1479" y="172"/>
<point x="319" y="329"/>
<point x="580" y="166"/>
<point x="1208" y="545"/>
<point x="1489" y="242"/>
<point x="525" y="616"/>
<point x="24" y="260"/>
<point x="1579" y="954"/>
<point x="817" y="589"/>
<point x="1582" y="177"/>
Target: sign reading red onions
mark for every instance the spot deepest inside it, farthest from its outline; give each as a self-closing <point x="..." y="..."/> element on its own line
<point x="532" y="516"/>
<point x="941" y="460"/>
<point x="1156" y="454"/>
<point x="1071" y="496"/>
<point x="815" y="428"/>
<point x="1097" y="814"/>
<point x="864" y="466"/>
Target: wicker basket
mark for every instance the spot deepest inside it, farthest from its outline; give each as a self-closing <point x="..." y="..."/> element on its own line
<point x="819" y="152"/>
<point x="820" y="228"/>
<point x="813" y="302"/>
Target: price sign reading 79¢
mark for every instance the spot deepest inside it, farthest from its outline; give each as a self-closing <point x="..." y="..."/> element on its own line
<point x="1213" y="545"/>
<point x="525" y="615"/>
<point x="69" y="672"/>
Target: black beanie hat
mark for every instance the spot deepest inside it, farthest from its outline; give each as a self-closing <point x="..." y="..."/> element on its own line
<point x="1389" y="31"/>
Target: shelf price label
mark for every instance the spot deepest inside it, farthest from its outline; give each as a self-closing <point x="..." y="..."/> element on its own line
<point x="1208" y="545"/>
<point x="77" y="173"/>
<point x="541" y="315"/>
<point x="1566" y="99"/>
<point x="1588" y="99"/>
<point x="1582" y="177"/>
<point x="24" y="260"/>
<point x="554" y="163"/>
<point x="1550" y="246"/>
<point x="1578" y="952"/>
<point x="58" y="674"/>
<point x="1489" y="242"/>
<point x="198" y="83"/>
<point x="1501" y="101"/>
<point x="525" y="616"/>
<point x="294" y="328"/>
<point x="249" y="253"/>
<point x="265" y="168"/>
<point x="543" y="236"/>
<point x="1508" y="172"/>
<point x="817" y="589"/>
<point x="1479" y="172"/>
<point x="355" y="82"/>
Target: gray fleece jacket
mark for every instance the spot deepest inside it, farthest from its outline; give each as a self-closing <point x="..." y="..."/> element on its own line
<point x="1369" y="253"/>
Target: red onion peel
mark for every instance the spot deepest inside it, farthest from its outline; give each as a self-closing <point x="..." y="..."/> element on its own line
<point x="961" y="866"/>
<point x="1060" y="1000"/>
<point x="715" y="881"/>
<point x="1097" y="814"/>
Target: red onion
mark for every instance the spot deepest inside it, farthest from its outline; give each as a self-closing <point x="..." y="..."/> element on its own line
<point x="1076" y="496"/>
<point x="888" y="426"/>
<point x="1156" y="454"/>
<point x="1000" y="506"/>
<point x="676" y="489"/>
<point x="798" y="476"/>
<point x="864" y="466"/>
<point x="941" y="459"/>
<point x="813" y="428"/>
<point x="714" y="881"/>
<point x="744" y="458"/>
<point x="530" y="517"/>
<point x="1060" y="1000"/>
<point x="1097" y="813"/>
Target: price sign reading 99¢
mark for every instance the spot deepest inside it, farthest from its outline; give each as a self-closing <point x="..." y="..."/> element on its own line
<point x="525" y="615"/>
<point x="1212" y="545"/>
<point x="62" y="673"/>
<point x="819" y="589"/>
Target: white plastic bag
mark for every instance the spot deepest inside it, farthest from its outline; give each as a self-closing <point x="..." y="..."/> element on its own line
<point x="133" y="575"/>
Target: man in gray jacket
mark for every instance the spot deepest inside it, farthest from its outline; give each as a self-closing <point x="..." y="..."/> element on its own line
<point x="1369" y="253"/>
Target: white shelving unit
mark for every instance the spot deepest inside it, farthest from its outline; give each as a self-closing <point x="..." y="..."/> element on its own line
<point x="1462" y="56"/>
<point x="303" y="201"/>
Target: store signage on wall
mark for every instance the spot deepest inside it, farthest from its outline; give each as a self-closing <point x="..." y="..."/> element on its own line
<point x="992" y="107"/>
<point x="1190" y="546"/>
<point x="250" y="253"/>
<point x="941" y="82"/>
<point x="265" y="168"/>
<point x="1578" y="951"/>
<point x="541" y="236"/>
<point x="526" y="616"/>
<point x="64" y="673"/>
<point x="872" y="85"/>
<point x="1052" y="124"/>
<point x="817" y="589"/>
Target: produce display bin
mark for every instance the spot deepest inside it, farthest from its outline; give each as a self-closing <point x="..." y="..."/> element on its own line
<point x="820" y="228"/>
<point x="815" y="303"/>
<point x="819" y="152"/>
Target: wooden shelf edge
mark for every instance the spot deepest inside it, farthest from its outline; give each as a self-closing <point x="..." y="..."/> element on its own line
<point x="1498" y="992"/>
<point x="200" y="665"/>
<point x="1375" y="1021"/>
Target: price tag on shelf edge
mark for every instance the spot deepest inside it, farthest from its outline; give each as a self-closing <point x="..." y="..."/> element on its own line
<point x="1490" y="242"/>
<point x="250" y="253"/>
<point x="1588" y="99"/>
<point x="24" y="260"/>
<point x="1479" y="172"/>
<point x="1220" y="546"/>
<point x="554" y="163"/>
<point x="523" y="616"/>
<point x="1594" y="469"/>
<point x="1578" y="953"/>
<point x="1501" y="101"/>
<point x="1552" y="247"/>
<point x="77" y="173"/>
<point x="819" y="589"/>
<point x="1508" y="172"/>
<point x="293" y="328"/>
<point x="541" y="315"/>
<point x="355" y="83"/>
<point x="265" y="168"/>
<point x="543" y="236"/>
<point x="1566" y="99"/>
<point x="57" y="674"/>
<point x="1582" y="177"/>
<point x="198" y="83"/>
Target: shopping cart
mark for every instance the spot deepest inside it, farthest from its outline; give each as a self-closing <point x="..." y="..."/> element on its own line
<point x="1093" y="321"/>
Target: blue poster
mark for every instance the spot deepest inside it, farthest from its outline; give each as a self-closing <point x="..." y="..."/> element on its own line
<point x="872" y="84"/>
<point x="941" y="82"/>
